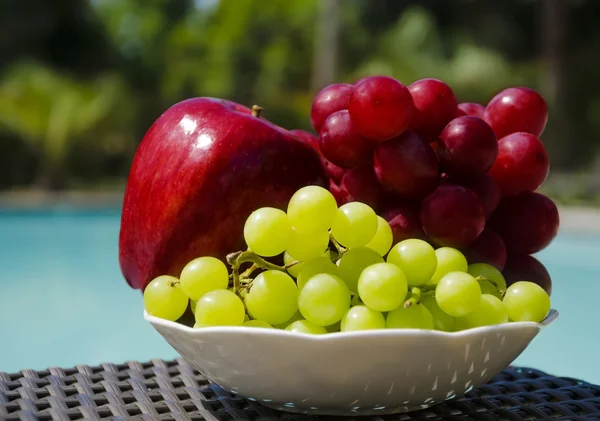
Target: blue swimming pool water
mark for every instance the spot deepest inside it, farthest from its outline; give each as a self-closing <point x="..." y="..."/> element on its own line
<point x="63" y="301"/>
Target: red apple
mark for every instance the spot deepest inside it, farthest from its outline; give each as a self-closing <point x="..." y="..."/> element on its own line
<point x="200" y="170"/>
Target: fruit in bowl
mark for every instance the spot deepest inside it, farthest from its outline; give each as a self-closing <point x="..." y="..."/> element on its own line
<point x="389" y="232"/>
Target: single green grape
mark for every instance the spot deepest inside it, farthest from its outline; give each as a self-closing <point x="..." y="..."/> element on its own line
<point x="193" y="306"/>
<point x="273" y="297"/>
<point x="441" y="320"/>
<point x="458" y="294"/>
<point x="354" y="225"/>
<point x="354" y="261"/>
<point x="312" y="210"/>
<point x="219" y="308"/>
<point x="355" y="301"/>
<point x="460" y="324"/>
<point x="164" y="298"/>
<point x="324" y="299"/>
<point x="292" y="270"/>
<point x="267" y="231"/>
<point x="416" y="258"/>
<point x="297" y="316"/>
<point x="448" y="260"/>
<point x="382" y="287"/>
<point x="362" y="318"/>
<point x="306" y="247"/>
<point x="383" y="239"/>
<point x="414" y="317"/>
<point x="491" y="311"/>
<point x="315" y="267"/>
<point x="257" y="323"/>
<point x="491" y="273"/>
<point x="526" y="302"/>
<point x="336" y="327"/>
<point x="305" y="326"/>
<point x="202" y="275"/>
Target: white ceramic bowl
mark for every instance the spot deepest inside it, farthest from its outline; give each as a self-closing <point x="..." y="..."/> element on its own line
<point x="349" y="373"/>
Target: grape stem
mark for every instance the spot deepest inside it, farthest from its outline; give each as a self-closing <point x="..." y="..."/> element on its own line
<point x="416" y="292"/>
<point x="339" y="248"/>
<point x="494" y="283"/>
<point x="238" y="258"/>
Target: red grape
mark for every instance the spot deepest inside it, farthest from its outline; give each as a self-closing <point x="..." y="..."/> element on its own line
<point x="517" y="110"/>
<point x="336" y="192"/>
<point x="527" y="223"/>
<point x="330" y="99"/>
<point x="467" y="147"/>
<point x="452" y="216"/>
<point x="488" y="191"/>
<point x="406" y="165"/>
<point x="341" y="144"/>
<point x="361" y="185"/>
<point x="308" y="138"/>
<point x="487" y="248"/>
<point x="380" y="107"/>
<point x="472" y="108"/>
<point x="522" y="164"/>
<point x="333" y="171"/>
<point x="435" y="106"/>
<point x="404" y="221"/>
<point x="522" y="267"/>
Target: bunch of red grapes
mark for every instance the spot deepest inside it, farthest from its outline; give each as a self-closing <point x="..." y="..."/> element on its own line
<point x="458" y="175"/>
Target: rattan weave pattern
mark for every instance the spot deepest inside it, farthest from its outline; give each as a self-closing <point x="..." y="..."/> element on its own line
<point x="173" y="390"/>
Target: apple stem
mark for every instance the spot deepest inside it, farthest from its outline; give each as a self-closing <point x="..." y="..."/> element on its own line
<point x="481" y="279"/>
<point x="238" y="258"/>
<point x="257" y="110"/>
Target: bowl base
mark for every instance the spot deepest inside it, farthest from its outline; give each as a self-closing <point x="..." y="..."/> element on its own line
<point x="345" y="412"/>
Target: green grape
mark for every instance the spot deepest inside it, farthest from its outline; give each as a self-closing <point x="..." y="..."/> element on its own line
<point x="164" y="298"/>
<point x="193" y="306"/>
<point x="297" y="316"/>
<point x="441" y="320"/>
<point x="257" y="323"/>
<point x="273" y="297"/>
<point x="416" y="258"/>
<point x="305" y="326"/>
<point x="362" y="318"/>
<point x="354" y="261"/>
<point x="312" y="210"/>
<point x="219" y="307"/>
<point x="324" y="299"/>
<point x="315" y="267"/>
<point x="458" y="294"/>
<point x="202" y="275"/>
<point x="414" y="317"/>
<point x="355" y="301"/>
<point x="267" y="231"/>
<point x="460" y="324"/>
<point x="246" y="318"/>
<point x="526" y="302"/>
<point x="448" y="260"/>
<point x="491" y="273"/>
<point x="382" y="286"/>
<point x="383" y="239"/>
<point x="491" y="311"/>
<point x="306" y="247"/>
<point x="292" y="270"/>
<point x="355" y="225"/>
<point x="334" y="327"/>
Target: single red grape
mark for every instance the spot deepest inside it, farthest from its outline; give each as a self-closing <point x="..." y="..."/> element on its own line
<point x="308" y="138"/>
<point x="406" y="165"/>
<point x="522" y="267"/>
<point x="333" y="171"/>
<point x="452" y="216"/>
<point x="380" y="107"/>
<point x="527" y="223"/>
<point x="336" y="192"/>
<point x="515" y="110"/>
<point x="435" y="106"/>
<point x="404" y="221"/>
<point x="487" y="248"/>
<point x="467" y="147"/>
<point x="330" y="99"/>
<point x="522" y="164"/>
<point x="488" y="191"/>
<point x="472" y="108"/>
<point x="341" y="144"/>
<point x="361" y="185"/>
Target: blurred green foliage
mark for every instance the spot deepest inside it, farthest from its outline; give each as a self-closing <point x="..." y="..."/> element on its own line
<point x="80" y="89"/>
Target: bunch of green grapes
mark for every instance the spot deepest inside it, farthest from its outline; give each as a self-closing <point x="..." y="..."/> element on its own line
<point x="341" y="273"/>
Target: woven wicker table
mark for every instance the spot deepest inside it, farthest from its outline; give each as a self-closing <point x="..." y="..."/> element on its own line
<point x="173" y="390"/>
